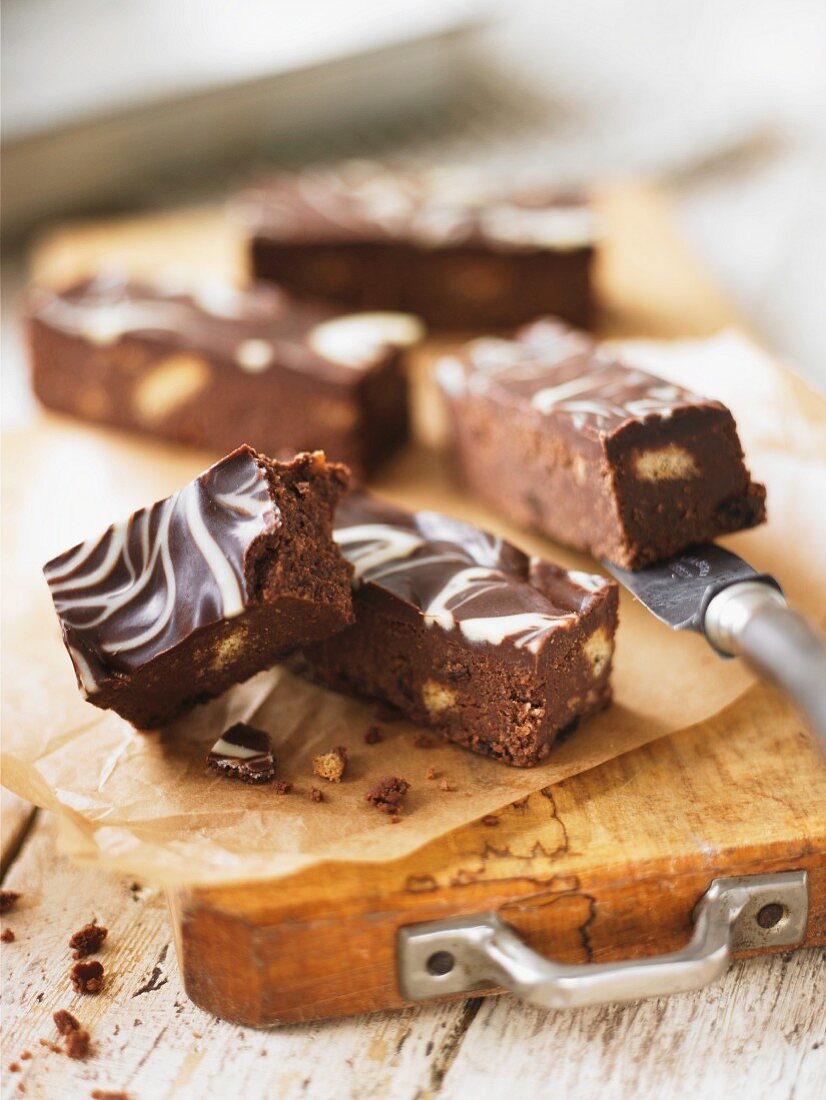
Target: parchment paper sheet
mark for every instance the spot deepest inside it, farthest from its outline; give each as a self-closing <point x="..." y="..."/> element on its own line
<point x="146" y="804"/>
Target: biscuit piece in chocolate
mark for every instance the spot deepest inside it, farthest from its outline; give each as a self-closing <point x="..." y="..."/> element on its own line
<point x="456" y="247"/>
<point x="214" y="366"/>
<point x="244" y="753"/>
<point x="560" y="434"/>
<point x="331" y="765"/>
<point x="202" y="590"/>
<point x="461" y="631"/>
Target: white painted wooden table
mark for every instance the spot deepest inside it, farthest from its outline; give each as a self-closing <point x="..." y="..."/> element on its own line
<point x="759" y="1033"/>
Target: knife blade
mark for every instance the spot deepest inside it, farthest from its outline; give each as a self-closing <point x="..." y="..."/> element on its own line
<point x="740" y="613"/>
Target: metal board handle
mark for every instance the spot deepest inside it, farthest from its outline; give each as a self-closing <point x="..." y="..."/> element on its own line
<point x="468" y="954"/>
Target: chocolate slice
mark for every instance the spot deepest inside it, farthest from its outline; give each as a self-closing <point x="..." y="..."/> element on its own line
<point x="243" y="752"/>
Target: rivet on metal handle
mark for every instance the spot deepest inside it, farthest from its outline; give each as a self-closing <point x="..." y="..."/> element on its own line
<point x="468" y="954"/>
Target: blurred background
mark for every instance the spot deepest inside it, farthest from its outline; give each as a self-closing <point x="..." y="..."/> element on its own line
<point x="117" y="105"/>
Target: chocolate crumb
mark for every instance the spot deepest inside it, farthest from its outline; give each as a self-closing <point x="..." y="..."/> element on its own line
<point x="431" y="773"/>
<point x="331" y="765"/>
<point x="316" y="795"/>
<point x="87" y="977"/>
<point x="388" y="793"/>
<point x="25" y="1056"/>
<point x="7" y="935"/>
<point x="21" y="1087"/>
<point x="77" y="1043"/>
<point x="445" y="786"/>
<point x="51" y="1046"/>
<point x="395" y="819"/>
<point x="373" y="736"/>
<point x="8" y="898"/>
<point x="281" y="787"/>
<point x="14" y="1067"/>
<point x="65" y="1022"/>
<point x="107" y="1094"/>
<point x="88" y="940"/>
<point x="423" y="742"/>
<point x="490" y="820"/>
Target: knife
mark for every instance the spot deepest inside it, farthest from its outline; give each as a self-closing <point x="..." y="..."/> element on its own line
<point x="740" y="613"/>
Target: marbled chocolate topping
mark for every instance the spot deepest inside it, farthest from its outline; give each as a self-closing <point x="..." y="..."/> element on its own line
<point x="563" y="373"/>
<point x="252" y="329"/>
<point x="150" y="581"/>
<point x="459" y="577"/>
<point x="243" y="752"/>
<point x="434" y="207"/>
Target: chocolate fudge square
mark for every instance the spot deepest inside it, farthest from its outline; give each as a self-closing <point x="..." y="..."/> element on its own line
<point x="201" y="590"/>
<point x="559" y="434"/>
<point x="461" y="631"/>
<point x="214" y="366"/>
<point x="457" y="247"/>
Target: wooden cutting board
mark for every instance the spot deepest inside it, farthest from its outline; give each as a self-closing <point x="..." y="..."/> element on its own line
<point x="604" y="866"/>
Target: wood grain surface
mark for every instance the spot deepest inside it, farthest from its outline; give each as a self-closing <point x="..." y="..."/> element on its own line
<point x="759" y="1033"/>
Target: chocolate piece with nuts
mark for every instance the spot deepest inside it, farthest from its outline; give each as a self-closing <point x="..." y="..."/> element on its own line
<point x="205" y="588"/>
<point x="331" y="765"/>
<point x="558" y="433"/>
<point x="211" y="364"/>
<point x="463" y="632"/>
<point x="460" y="248"/>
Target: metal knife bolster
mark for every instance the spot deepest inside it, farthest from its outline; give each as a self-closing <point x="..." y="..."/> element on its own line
<point x="741" y="613"/>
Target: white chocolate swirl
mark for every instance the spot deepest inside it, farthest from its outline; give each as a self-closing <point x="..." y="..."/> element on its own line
<point x="150" y="581"/>
<point x="458" y="577"/>
<point x="560" y="372"/>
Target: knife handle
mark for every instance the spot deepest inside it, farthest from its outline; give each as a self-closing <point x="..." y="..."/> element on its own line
<point x="751" y="620"/>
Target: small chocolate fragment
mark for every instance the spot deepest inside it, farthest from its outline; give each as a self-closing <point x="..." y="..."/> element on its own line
<point x="77" y="1043"/>
<point x="87" y="977"/>
<point x="49" y="1045"/>
<point x="65" y="1022"/>
<point x="281" y="787"/>
<point x="8" y="898"/>
<point x="316" y="795"/>
<point x="14" y="1067"/>
<point x="373" y="736"/>
<point x="198" y="592"/>
<point x="331" y="765"/>
<point x="88" y="940"/>
<point x="558" y="433"/>
<point x="388" y="793"/>
<point x="25" y="1056"/>
<point x="108" y="1094"/>
<point x="490" y="820"/>
<point x="7" y="935"/>
<point x="245" y="753"/>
